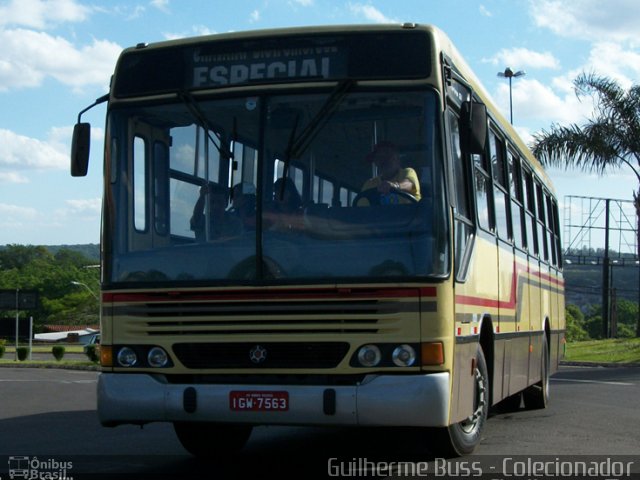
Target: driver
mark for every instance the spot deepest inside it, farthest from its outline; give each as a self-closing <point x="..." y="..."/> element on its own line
<point x="392" y="178"/>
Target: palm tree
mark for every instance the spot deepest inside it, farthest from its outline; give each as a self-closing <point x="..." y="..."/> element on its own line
<point x="609" y="141"/>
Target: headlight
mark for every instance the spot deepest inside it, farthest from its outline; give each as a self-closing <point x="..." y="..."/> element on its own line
<point x="369" y="356"/>
<point x="157" y="357"/>
<point x="127" y="357"/>
<point x="404" y="356"/>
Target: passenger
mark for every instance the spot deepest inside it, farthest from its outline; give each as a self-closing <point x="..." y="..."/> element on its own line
<point x="222" y="224"/>
<point x="391" y="179"/>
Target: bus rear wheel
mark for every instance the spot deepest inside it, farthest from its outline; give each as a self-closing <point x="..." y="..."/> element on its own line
<point x="212" y="440"/>
<point x="537" y="396"/>
<point x="462" y="438"/>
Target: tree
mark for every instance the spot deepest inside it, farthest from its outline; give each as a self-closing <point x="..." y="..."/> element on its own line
<point x="608" y="141"/>
<point x="575" y="324"/>
<point x="35" y="268"/>
<point x="17" y="256"/>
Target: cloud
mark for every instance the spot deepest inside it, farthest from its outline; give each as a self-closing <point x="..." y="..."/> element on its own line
<point x="254" y="16"/>
<point x="484" y="11"/>
<point x="18" y="152"/>
<point x="196" y="30"/>
<point x="28" y="57"/>
<point x="84" y="206"/>
<point x="15" y="216"/>
<point x="162" y="5"/>
<point x="303" y="3"/>
<point x="589" y="19"/>
<point x="12" y="177"/>
<point x="86" y="209"/>
<point x="520" y="58"/>
<point x="614" y="61"/>
<point x="41" y="14"/>
<point x="129" y="12"/>
<point x="536" y="102"/>
<point x="370" y="13"/>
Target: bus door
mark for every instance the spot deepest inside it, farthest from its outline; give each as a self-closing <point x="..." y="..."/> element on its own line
<point x="149" y="187"/>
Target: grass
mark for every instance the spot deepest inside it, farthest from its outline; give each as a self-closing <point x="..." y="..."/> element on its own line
<point x="617" y="350"/>
<point x="10" y="348"/>
<point x="79" y="364"/>
<point x="83" y="362"/>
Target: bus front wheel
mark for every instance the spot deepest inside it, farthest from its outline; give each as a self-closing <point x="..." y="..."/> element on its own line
<point x="461" y="438"/>
<point x="213" y="440"/>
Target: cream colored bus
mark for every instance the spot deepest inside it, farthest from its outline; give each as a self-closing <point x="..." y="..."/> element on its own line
<point x="319" y="226"/>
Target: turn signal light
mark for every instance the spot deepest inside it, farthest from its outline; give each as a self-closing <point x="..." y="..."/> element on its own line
<point x="106" y="355"/>
<point x="432" y="353"/>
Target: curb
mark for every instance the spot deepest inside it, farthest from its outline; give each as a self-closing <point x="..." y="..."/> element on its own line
<point x="598" y="364"/>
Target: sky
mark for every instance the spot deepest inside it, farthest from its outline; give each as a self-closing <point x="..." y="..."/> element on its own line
<point x="57" y="57"/>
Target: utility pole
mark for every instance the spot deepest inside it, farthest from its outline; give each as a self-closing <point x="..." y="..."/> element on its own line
<point x="605" y="275"/>
<point x="17" y="320"/>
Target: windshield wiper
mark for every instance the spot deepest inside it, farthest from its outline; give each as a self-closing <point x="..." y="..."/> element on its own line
<point x="202" y="120"/>
<point x="297" y="145"/>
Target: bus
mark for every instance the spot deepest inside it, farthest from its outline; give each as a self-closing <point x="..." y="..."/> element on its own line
<point x="263" y="264"/>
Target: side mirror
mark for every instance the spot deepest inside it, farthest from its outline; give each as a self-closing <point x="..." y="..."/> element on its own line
<point x="80" y="149"/>
<point x="473" y="127"/>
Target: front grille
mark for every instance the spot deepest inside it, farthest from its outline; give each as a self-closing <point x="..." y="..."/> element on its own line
<point x="270" y="354"/>
<point x="259" y="317"/>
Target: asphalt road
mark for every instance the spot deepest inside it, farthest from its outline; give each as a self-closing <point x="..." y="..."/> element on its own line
<point x="49" y="415"/>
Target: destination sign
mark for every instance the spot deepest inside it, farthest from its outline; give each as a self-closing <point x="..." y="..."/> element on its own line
<point x="254" y="66"/>
<point x="211" y="63"/>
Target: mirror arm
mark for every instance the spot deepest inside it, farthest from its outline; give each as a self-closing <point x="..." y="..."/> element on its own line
<point x="98" y="101"/>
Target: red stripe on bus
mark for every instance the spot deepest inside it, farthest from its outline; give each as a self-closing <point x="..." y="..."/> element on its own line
<point x="511" y="303"/>
<point x="480" y="302"/>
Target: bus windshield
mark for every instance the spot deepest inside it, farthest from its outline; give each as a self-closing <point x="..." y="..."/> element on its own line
<point x="276" y="188"/>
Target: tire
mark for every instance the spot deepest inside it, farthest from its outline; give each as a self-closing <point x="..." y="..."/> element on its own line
<point x="537" y="396"/>
<point x="462" y="438"/>
<point x="212" y="440"/>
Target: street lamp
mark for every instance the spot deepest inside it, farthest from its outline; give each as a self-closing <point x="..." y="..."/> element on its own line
<point x="508" y="73"/>
<point x="80" y="284"/>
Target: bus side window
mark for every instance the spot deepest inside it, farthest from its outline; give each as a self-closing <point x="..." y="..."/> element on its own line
<point x="501" y="196"/>
<point x="542" y="231"/>
<point x="550" y="228"/>
<point x="556" y="233"/>
<point x="517" y="205"/>
<point x="529" y="203"/>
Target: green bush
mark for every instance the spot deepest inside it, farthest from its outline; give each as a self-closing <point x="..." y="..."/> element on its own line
<point x="93" y="353"/>
<point x="58" y="352"/>
<point x="2" y="350"/>
<point x="23" y="353"/>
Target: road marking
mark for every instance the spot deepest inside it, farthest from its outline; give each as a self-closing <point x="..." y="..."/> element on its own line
<point x="591" y="381"/>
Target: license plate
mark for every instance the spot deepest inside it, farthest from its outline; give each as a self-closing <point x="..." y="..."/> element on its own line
<point x="243" y="401"/>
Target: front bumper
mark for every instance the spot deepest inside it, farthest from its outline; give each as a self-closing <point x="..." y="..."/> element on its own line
<point x="379" y="400"/>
